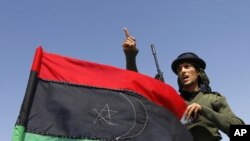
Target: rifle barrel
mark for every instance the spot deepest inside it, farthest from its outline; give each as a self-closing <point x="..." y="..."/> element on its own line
<point x="155" y="57"/>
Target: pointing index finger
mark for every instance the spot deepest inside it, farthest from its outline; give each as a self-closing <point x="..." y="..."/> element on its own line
<point x="126" y="32"/>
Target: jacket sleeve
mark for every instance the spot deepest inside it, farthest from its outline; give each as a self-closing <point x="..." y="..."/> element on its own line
<point x="221" y="115"/>
<point x="131" y="60"/>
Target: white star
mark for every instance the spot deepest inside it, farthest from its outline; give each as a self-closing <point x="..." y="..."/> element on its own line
<point x="104" y="114"/>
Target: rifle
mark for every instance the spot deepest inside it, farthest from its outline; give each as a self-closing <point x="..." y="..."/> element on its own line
<point x="159" y="74"/>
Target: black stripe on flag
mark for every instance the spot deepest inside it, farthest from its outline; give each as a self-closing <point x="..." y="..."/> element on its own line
<point x="74" y="111"/>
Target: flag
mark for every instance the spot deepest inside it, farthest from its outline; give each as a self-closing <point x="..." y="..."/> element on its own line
<point x="74" y="100"/>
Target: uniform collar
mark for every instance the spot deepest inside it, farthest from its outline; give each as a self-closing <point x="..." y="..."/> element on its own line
<point x="189" y="95"/>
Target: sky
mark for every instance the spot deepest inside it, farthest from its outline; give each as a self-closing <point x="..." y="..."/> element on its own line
<point x="216" y="30"/>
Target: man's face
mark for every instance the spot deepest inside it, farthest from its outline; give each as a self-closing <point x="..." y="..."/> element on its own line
<point x="187" y="74"/>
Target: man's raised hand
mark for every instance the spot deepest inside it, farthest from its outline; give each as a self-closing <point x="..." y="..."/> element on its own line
<point x="129" y="43"/>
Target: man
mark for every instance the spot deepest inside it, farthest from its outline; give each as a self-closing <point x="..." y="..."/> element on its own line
<point x="207" y="111"/>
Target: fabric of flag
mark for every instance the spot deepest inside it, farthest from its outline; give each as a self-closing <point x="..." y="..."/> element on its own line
<point x="74" y="100"/>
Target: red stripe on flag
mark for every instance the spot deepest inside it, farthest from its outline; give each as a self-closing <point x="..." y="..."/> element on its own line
<point x="60" y="68"/>
<point x="37" y="59"/>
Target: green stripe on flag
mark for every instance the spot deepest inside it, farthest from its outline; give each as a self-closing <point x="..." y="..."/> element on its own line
<point x="18" y="133"/>
<point x="36" y="137"/>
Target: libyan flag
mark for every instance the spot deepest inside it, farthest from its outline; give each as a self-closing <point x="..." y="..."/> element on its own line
<point x="73" y="100"/>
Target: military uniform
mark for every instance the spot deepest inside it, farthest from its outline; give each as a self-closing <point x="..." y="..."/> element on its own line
<point x="215" y="115"/>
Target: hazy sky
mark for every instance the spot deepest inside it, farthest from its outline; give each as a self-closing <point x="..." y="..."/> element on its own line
<point x="217" y="30"/>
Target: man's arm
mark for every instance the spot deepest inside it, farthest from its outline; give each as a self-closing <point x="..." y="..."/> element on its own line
<point x="221" y="114"/>
<point x="131" y="60"/>
<point x="130" y="50"/>
<point x="223" y="117"/>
